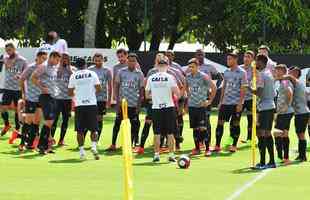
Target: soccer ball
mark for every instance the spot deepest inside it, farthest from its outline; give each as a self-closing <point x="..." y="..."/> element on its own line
<point x="184" y="162"/>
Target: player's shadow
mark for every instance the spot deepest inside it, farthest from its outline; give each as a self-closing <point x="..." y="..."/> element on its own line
<point x="4" y="138"/>
<point x="151" y="164"/>
<point x="247" y="170"/>
<point x="67" y="161"/>
<point x="13" y="153"/>
<point x="221" y="154"/>
<point x="30" y="156"/>
<point x="118" y="152"/>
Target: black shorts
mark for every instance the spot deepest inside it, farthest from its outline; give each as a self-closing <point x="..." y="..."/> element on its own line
<point x="265" y="119"/>
<point x="248" y="106"/>
<point x="63" y="106"/>
<point x="148" y="115"/>
<point x="86" y="118"/>
<point x="31" y="107"/>
<point x="283" y="121"/>
<point x="198" y="117"/>
<point x="228" y="112"/>
<point x="10" y="96"/>
<point x="102" y="108"/>
<point x="49" y="106"/>
<point x="164" y="121"/>
<point x="301" y="122"/>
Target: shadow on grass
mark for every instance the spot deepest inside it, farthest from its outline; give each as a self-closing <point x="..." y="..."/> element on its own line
<point x="30" y="156"/>
<point x="13" y="153"/>
<point x="151" y="164"/>
<point x="247" y="170"/>
<point x="3" y="138"/>
<point x="67" y="161"/>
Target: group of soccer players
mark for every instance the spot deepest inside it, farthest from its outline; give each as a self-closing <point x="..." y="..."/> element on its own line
<point x="51" y="86"/>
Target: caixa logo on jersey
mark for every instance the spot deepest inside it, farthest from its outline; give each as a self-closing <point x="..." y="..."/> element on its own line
<point x="85" y="101"/>
<point x="89" y="59"/>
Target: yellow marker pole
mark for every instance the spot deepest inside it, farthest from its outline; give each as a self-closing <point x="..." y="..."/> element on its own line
<point x="127" y="153"/>
<point x="254" y="116"/>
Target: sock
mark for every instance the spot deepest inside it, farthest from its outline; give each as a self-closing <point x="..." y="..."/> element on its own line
<point x="209" y="129"/>
<point x="262" y="150"/>
<point x="196" y="139"/>
<point x="116" y="128"/>
<point x="250" y="120"/>
<point x="219" y="134"/>
<point x="302" y="148"/>
<point x="269" y="143"/>
<point x="17" y="125"/>
<point x="94" y="146"/>
<point x="25" y="133"/>
<point x="36" y="129"/>
<point x="279" y="147"/>
<point x="145" y="134"/>
<point x="100" y="124"/>
<point x="5" y="117"/>
<point x="156" y="154"/>
<point x="286" y="147"/>
<point x="82" y="151"/>
<point x="235" y="135"/>
<point x="206" y="139"/>
<point x="43" y="142"/>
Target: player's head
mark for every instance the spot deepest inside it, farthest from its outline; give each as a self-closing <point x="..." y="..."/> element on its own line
<point x="280" y="70"/>
<point x="261" y="61"/>
<point x="132" y="61"/>
<point x="41" y="57"/>
<point x="122" y="55"/>
<point x="54" y="58"/>
<point x="170" y="54"/>
<point x="232" y="59"/>
<point x="193" y="65"/>
<point x="10" y="49"/>
<point x="65" y="59"/>
<point x="51" y="37"/>
<point x="295" y="71"/>
<point x="98" y="59"/>
<point x="159" y="56"/>
<point x="248" y="57"/>
<point x="264" y="49"/>
<point x="200" y="55"/>
<point x="80" y="63"/>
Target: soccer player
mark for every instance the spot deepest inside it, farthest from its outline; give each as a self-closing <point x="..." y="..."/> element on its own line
<point x="63" y="100"/>
<point x="301" y="111"/>
<point x="231" y="102"/>
<point x="248" y="58"/>
<point x="104" y="96"/>
<point x="84" y="84"/>
<point x="265" y="50"/>
<point x="122" y="56"/>
<point x="47" y="46"/>
<point x="201" y="91"/>
<point x="32" y="112"/>
<point x="59" y="45"/>
<point x="161" y="87"/>
<point x="129" y="85"/>
<point x="285" y="113"/>
<point x="308" y="94"/>
<point x="14" y="66"/>
<point x="266" y="107"/>
<point x="45" y="77"/>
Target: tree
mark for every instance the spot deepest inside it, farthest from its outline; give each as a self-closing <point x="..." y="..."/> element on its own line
<point x="90" y="23"/>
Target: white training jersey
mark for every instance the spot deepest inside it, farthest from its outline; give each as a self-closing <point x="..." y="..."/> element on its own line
<point x="84" y="82"/>
<point x="61" y="46"/>
<point x="160" y="85"/>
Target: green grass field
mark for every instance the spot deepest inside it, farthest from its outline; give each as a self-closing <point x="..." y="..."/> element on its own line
<point x="62" y="176"/>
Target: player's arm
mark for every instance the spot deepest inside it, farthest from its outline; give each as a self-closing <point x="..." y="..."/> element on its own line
<point x="222" y="93"/>
<point x="25" y="75"/>
<point x="71" y="86"/>
<point x="290" y="78"/>
<point x="148" y="89"/>
<point x="110" y="85"/>
<point x="116" y="88"/>
<point x="141" y="91"/>
<point x="213" y="90"/>
<point x="35" y="78"/>
<point x="97" y="83"/>
<point x="289" y="93"/>
<point x="175" y="88"/>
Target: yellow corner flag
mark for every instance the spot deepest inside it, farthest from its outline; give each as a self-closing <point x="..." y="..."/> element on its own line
<point x="127" y="153"/>
<point x="254" y="116"/>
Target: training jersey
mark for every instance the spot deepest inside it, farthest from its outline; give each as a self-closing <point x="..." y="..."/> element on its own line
<point x="299" y="99"/>
<point x="199" y="86"/>
<point x="130" y="84"/>
<point x="249" y="71"/>
<point x="48" y="76"/>
<point x="155" y="70"/>
<point x="13" y="69"/>
<point x="104" y="75"/>
<point x="118" y="67"/>
<point x="63" y="77"/>
<point x="32" y="92"/>
<point x="283" y="105"/>
<point x="83" y="82"/>
<point x="266" y="83"/>
<point x="233" y="80"/>
<point x="61" y="46"/>
<point x="160" y="85"/>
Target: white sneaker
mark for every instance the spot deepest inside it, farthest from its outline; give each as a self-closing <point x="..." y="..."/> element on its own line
<point x="83" y="155"/>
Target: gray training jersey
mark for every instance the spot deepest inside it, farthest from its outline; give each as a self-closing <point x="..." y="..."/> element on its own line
<point x="283" y="105"/>
<point x="32" y="92"/>
<point x="154" y="70"/>
<point x="118" y="67"/>
<point x="199" y="85"/>
<point x="12" y="73"/>
<point x="48" y="77"/>
<point x="130" y="83"/>
<point x="249" y="71"/>
<point x="300" y="99"/>
<point x="233" y="81"/>
<point x="266" y="83"/>
<point x="104" y="75"/>
<point x="63" y="77"/>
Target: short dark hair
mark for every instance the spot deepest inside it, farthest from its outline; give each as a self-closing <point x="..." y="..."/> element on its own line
<point x="122" y="50"/>
<point x="55" y="54"/>
<point x="170" y="51"/>
<point x="41" y="53"/>
<point x="193" y="60"/>
<point x="10" y="45"/>
<point x="234" y="54"/>
<point x="133" y="55"/>
<point x="262" y="58"/>
<point x="282" y="66"/>
<point x="80" y="63"/>
<point x="98" y="55"/>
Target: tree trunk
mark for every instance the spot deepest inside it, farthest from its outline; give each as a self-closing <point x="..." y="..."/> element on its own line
<point x="174" y="36"/>
<point x="157" y="33"/>
<point x="90" y="23"/>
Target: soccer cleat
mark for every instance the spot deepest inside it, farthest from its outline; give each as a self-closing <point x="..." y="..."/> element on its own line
<point x="172" y="159"/>
<point x="156" y="159"/>
<point x="95" y="153"/>
<point x="217" y="149"/>
<point x="35" y="142"/>
<point x="195" y="152"/>
<point x="208" y="153"/>
<point x="202" y="145"/>
<point x="140" y="151"/>
<point x="301" y="159"/>
<point x="61" y="143"/>
<point x="286" y="162"/>
<point x="42" y="152"/>
<point x="260" y="166"/>
<point x="232" y="149"/>
<point x="14" y="136"/>
<point x="52" y="141"/>
<point x="21" y="148"/>
<point x="111" y="148"/>
<point x="5" y="129"/>
<point x="271" y="165"/>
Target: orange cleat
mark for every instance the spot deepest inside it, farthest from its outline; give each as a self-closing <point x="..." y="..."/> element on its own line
<point x="14" y="136"/>
<point x="195" y="152"/>
<point x="5" y="129"/>
<point x="21" y="148"/>
<point x="35" y="142"/>
<point x="286" y="162"/>
<point x="139" y="150"/>
<point x="217" y="149"/>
